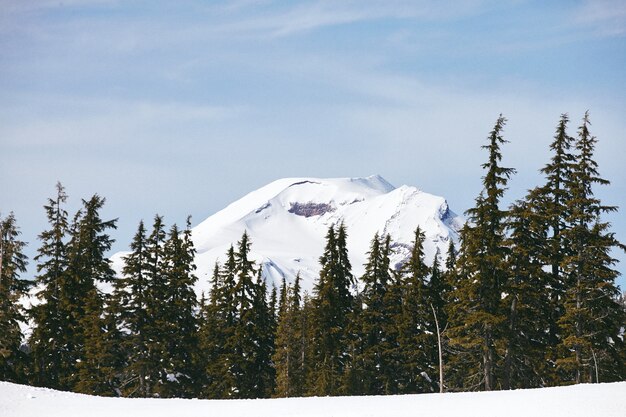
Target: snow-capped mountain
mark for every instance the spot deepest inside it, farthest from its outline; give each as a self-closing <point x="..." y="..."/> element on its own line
<point x="287" y="221"/>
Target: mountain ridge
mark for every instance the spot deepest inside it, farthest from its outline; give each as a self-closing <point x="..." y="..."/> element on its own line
<point x="287" y="221"/>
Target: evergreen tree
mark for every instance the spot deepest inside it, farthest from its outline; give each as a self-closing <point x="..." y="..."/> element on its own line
<point x="12" y="263"/>
<point x="243" y="344"/>
<point x="47" y="341"/>
<point x="374" y="321"/>
<point x="526" y="301"/>
<point x="417" y="343"/>
<point x="332" y="305"/>
<point x="80" y="298"/>
<point x="97" y="369"/>
<point x="289" y="350"/>
<point x="550" y="203"/>
<point x="156" y="306"/>
<point x="179" y="327"/>
<point x="591" y="324"/>
<point x="264" y="332"/>
<point x="131" y="297"/>
<point x="218" y="330"/>
<point x="215" y="325"/>
<point x="476" y="318"/>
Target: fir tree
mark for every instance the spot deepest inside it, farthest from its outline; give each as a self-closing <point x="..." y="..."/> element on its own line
<point x="592" y="348"/>
<point x="417" y="344"/>
<point x="332" y="305"/>
<point x="97" y="369"/>
<point x="47" y="342"/>
<point x="264" y="331"/>
<point x="476" y="318"/>
<point x="289" y="350"/>
<point x="550" y="203"/>
<point x="12" y="263"/>
<point x="215" y="325"/>
<point x="526" y="301"/>
<point x="179" y="327"/>
<point x="131" y="297"/>
<point x="80" y="298"/>
<point x="374" y="321"/>
<point x="155" y="308"/>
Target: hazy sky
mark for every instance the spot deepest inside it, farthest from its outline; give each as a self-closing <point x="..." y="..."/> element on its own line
<point x="182" y="107"/>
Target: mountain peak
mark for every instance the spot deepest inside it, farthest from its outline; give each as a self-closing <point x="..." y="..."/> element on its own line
<point x="287" y="221"/>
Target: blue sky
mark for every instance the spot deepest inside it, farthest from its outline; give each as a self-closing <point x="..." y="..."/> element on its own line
<point x="182" y="107"/>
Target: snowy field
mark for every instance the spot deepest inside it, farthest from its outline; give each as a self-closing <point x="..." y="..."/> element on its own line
<point x="603" y="400"/>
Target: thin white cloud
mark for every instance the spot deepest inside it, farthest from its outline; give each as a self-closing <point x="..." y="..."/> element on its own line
<point x="606" y="17"/>
<point x="72" y="120"/>
<point x="319" y="14"/>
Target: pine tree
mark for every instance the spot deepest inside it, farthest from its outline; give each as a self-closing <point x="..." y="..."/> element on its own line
<point x="131" y="297"/>
<point x="526" y="301"/>
<point x="550" y="203"/>
<point x="373" y="361"/>
<point x="476" y="318"/>
<point x="12" y="263"/>
<point x="417" y="344"/>
<point x="264" y="332"/>
<point x="80" y="297"/>
<point x="47" y="342"/>
<point x="97" y="369"/>
<point x="215" y="325"/>
<point x="218" y="330"/>
<point x="242" y="343"/>
<point x="179" y="327"/>
<point x="156" y="307"/>
<point x="332" y="304"/>
<point x="591" y="349"/>
<point x="289" y="350"/>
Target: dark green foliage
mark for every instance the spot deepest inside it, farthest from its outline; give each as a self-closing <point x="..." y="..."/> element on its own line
<point x="417" y="340"/>
<point x="131" y="299"/>
<point x="289" y="348"/>
<point x="476" y="319"/>
<point x="332" y="305"/>
<point x="47" y="342"/>
<point x="237" y="330"/>
<point x="80" y="298"/>
<point x="216" y="326"/>
<point x="371" y="370"/>
<point x="96" y="371"/>
<point x="590" y="326"/>
<point x="526" y="302"/>
<point x="550" y="203"/>
<point x="178" y="327"/>
<point x="12" y="263"/>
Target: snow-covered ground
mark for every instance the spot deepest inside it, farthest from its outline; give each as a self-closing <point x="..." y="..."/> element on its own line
<point x="602" y="400"/>
<point x="287" y="221"/>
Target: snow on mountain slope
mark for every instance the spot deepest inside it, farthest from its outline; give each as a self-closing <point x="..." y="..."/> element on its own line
<point x="606" y="400"/>
<point x="287" y="221"/>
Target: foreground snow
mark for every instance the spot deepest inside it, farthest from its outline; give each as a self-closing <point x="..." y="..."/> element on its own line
<point x="606" y="400"/>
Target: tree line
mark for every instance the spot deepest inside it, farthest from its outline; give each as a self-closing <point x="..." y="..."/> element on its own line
<point x="528" y="299"/>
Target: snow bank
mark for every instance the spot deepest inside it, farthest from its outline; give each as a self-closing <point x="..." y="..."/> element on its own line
<point x="605" y="400"/>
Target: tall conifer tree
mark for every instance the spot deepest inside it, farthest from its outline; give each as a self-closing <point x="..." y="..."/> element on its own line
<point x="417" y="343"/>
<point x="476" y="318"/>
<point x="592" y="348"/>
<point x="47" y="341"/>
<point x="332" y="305"/>
<point x="13" y="262"/>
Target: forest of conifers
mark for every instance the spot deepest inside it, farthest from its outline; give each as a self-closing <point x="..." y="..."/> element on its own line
<point x="527" y="299"/>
